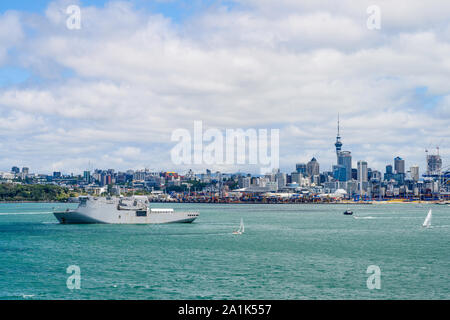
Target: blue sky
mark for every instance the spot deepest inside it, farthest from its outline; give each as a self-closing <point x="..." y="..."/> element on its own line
<point x="112" y="93"/>
<point x="176" y="10"/>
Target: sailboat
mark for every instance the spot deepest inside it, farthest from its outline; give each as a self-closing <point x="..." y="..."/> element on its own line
<point x="241" y="228"/>
<point x="427" y="222"/>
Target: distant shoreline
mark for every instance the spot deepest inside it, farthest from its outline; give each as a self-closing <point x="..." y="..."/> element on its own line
<point x="244" y="202"/>
<point x="29" y="201"/>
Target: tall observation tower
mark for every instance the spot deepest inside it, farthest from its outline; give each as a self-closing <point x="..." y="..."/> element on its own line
<point x="338" y="143"/>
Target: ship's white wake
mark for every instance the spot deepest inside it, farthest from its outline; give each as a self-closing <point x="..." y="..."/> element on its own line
<point x="22" y="213"/>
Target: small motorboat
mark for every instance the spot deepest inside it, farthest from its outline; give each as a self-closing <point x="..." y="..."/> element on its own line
<point x="348" y="212"/>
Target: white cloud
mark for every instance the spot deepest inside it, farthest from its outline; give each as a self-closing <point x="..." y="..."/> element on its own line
<point x="11" y="33"/>
<point x="135" y="77"/>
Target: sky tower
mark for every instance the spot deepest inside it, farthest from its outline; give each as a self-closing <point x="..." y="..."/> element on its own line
<point x="338" y="143"/>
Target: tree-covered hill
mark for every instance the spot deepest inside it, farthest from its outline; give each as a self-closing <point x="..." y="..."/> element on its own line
<point x="36" y="192"/>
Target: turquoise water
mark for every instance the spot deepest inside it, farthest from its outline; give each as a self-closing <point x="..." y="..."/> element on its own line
<point x="287" y="252"/>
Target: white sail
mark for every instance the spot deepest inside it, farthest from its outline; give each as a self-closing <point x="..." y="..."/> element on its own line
<point x="241" y="228"/>
<point x="427" y="221"/>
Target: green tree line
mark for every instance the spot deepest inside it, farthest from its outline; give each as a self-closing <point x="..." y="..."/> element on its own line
<point x="35" y="192"/>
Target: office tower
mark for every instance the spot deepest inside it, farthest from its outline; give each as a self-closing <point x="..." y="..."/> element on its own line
<point x="25" y="170"/>
<point x="345" y="160"/>
<point x="312" y="167"/>
<point x="296" y="177"/>
<point x="15" y="170"/>
<point x="87" y="176"/>
<point x="301" y="168"/>
<point x="362" y="171"/>
<point x="244" y="182"/>
<point x="414" y="173"/>
<point x="389" y="169"/>
<point x="339" y="173"/>
<point x="399" y="165"/>
<point x="354" y="174"/>
<point x="434" y="164"/>
<point x="280" y="178"/>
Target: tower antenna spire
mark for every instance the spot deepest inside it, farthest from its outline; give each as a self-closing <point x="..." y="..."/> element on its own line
<point x="338" y="125"/>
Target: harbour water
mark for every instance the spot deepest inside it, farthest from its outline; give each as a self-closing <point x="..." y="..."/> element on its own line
<point x="292" y="251"/>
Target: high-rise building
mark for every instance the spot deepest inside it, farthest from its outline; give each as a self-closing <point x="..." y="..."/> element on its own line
<point x="281" y="179"/>
<point x="339" y="173"/>
<point x="15" y="170"/>
<point x="376" y="175"/>
<point x="414" y="173"/>
<point x="87" y="176"/>
<point x="354" y="174"/>
<point x="345" y="160"/>
<point x="312" y="167"/>
<point x="244" y="182"/>
<point x="389" y="169"/>
<point x="434" y="164"/>
<point x="399" y="165"/>
<point x="362" y="171"/>
<point x="296" y="177"/>
<point x="25" y="170"/>
<point x="301" y="168"/>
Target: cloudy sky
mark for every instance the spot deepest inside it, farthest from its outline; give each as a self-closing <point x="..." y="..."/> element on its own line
<point x="110" y="94"/>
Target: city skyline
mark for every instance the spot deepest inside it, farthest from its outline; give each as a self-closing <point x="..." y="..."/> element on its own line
<point x="112" y="92"/>
<point x="341" y="170"/>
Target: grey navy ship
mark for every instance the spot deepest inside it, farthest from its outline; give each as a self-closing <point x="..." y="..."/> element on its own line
<point x="133" y="210"/>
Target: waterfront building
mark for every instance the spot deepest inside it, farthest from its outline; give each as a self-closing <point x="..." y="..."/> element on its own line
<point x="244" y="182"/>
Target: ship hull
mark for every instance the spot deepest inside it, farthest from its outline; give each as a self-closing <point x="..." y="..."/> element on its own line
<point x="110" y="214"/>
